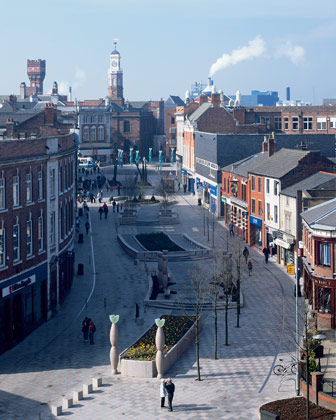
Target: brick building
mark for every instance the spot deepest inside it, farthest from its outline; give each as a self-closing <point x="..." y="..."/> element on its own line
<point x="319" y="261"/>
<point x="37" y="204"/>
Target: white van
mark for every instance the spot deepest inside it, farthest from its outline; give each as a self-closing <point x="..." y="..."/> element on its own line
<point x="86" y="162"/>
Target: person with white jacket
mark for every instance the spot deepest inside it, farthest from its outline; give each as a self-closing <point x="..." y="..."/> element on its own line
<point x="163" y="392"/>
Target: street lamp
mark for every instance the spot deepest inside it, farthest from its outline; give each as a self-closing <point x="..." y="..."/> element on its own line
<point x="319" y="337"/>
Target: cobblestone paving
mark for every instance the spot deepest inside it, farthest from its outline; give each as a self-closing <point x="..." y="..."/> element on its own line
<point x="54" y="361"/>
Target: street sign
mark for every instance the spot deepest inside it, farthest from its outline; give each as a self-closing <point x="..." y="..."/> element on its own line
<point x="290" y="269"/>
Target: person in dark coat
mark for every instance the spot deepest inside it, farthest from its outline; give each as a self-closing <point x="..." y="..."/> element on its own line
<point x="249" y="266"/>
<point x="87" y="226"/>
<point x="105" y="209"/>
<point x="114" y="205"/>
<point x="101" y="211"/>
<point x="85" y="328"/>
<point x="266" y="253"/>
<point x="246" y="254"/>
<point x="118" y="189"/>
<point x="92" y="330"/>
<point x="170" y="388"/>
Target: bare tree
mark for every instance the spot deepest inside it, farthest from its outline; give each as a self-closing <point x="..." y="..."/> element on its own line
<point x="166" y="190"/>
<point x="131" y="188"/>
<point x="197" y="298"/>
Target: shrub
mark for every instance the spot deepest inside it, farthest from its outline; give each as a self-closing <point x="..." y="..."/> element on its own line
<point x="157" y="242"/>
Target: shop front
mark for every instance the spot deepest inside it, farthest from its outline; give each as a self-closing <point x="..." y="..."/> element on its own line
<point x="66" y="273"/>
<point x="207" y="192"/>
<point x="285" y="248"/>
<point x="23" y="305"/>
<point x="255" y="232"/>
<point x="239" y="217"/>
<point x="321" y="292"/>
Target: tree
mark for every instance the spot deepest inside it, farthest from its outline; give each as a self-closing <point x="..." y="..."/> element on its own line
<point x="131" y="188"/>
<point x="199" y="282"/>
<point x="166" y="190"/>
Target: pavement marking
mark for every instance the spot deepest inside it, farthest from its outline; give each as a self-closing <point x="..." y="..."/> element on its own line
<point x="195" y="229"/>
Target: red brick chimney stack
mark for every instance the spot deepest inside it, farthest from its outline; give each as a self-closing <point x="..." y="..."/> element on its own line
<point x="203" y="99"/>
<point x="49" y="113"/>
<point x="264" y="146"/>
<point x="215" y="100"/>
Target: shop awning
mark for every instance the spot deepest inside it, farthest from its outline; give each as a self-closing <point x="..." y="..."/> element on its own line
<point x="282" y="243"/>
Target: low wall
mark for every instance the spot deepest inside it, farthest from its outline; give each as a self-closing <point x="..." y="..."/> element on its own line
<point x="316" y="395"/>
<point x="147" y="369"/>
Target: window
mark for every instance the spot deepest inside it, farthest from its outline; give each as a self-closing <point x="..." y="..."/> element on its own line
<point x="295" y="123"/>
<point x="287" y="201"/>
<point x="100" y="118"/>
<point x="92" y="119"/>
<point x="259" y="184"/>
<point x="29" y="193"/>
<point x="52" y="181"/>
<point x="286" y="123"/>
<point x="2" y="247"/>
<point x="276" y="187"/>
<point x="260" y="210"/>
<point x="332" y="122"/>
<point x="267" y="186"/>
<point x="275" y="214"/>
<point x="40" y="233"/>
<point x="85" y="119"/>
<point x="266" y="120"/>
<point x="253" y="183"/>
<point x="253" y="205"/>
<point x="268" y="206"/>
<point x="307" y="123"/>
<point x="40" y="185"/>
<point x="52" y="235"/>
<point x="86" y="133"/>
<point x="127" y="127"/>
<point x="16" y="243"/>
<point x="277" y="123"/>
<point x="29" y="238"/>
<point x="323" y="253"/>
<point x="172" y="120"/>
<point x="321" y="123"/>
<point x="93" y="133"/>
<point x="100" y="133"/>
<point x="60" y="179"/>
<point x="323" y="299"/>
<point x="2" y="194"/>
<point x="16" y="190"/>
<point x="288" y="222"/>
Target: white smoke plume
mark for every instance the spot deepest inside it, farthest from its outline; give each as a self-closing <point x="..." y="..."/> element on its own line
<point x="254" y="48"/>
<point x="78" y="81"/>
<point x="295" y="53"/>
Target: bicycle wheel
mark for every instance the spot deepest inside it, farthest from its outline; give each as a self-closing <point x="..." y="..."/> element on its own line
<point x="278" y="369"/>
<point x="294" y="368"/>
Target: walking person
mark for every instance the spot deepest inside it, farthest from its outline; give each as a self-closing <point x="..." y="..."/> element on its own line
<point x="114" y="205"/>
<point x="92" y="330"/>
<point x="170" y="388"/>
<point x="231" y="229"/>
<point x="118" y="189"/>
<point x="87" y="226"/>
<point x="99" y="197"/>
<point x="249" y="266"/>
<point x="163" y="392"/>
<point x="118" y="207"/>
<point x="100" y="211"/>
<point x="246" y="254"/>
<point x="105" y="209"/>
<point x="85" y="328"/>
<point x="184" y="188"/>
<point x="266" y="253"/>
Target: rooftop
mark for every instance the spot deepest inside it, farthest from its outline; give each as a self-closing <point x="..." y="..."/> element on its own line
<point x="315" y="181"/>
<point x="321" y="216"/>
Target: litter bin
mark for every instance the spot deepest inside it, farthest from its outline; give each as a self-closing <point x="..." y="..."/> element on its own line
<point x="199" y="201"/>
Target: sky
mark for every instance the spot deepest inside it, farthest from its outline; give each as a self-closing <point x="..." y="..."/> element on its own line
<point x="166" y="46"/>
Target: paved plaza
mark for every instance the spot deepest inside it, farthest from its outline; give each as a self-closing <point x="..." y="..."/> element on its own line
<point x="54" y="361"/>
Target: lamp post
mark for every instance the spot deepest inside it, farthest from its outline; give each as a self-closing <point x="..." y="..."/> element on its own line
<point x="160" y="159"/>
<point x="319" y="337"/>
<point x="150" y="156"/>
<point x="131" y="157"/>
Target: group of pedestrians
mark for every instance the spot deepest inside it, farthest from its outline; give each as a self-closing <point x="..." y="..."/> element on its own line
<point x="167" y="388"/>
<point x="88" y="330"/>
<point x="103" y="209"/>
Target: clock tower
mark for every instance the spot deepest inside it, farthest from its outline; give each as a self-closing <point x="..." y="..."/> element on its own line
<point x="115" y="78"/>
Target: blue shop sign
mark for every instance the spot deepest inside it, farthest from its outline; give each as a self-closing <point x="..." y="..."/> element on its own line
<point x="255" y="221"/>
<point x="213" y="190"/>
<point x="184" y="171"/>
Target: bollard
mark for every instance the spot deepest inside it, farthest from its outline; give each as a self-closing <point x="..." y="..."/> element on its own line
<point x="80" y="238"/>
<point x="87" y="389"/>
<point x="80" y="270"/>
<point x="77" y="395"/>
<point x="97" y="382"/>
<point x="56" y="410"/>
<point x="67" y="403"/>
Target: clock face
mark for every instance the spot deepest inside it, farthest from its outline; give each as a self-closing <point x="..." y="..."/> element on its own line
<point x="114" y="63"/>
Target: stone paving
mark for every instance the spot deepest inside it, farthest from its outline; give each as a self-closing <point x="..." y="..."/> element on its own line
<point x="54" y="361"/>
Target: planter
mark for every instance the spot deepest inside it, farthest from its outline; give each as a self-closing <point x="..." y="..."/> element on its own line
<point x="147" y="368"/>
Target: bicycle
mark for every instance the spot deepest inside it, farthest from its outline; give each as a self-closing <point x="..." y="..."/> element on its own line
<point x="282" y="369"/>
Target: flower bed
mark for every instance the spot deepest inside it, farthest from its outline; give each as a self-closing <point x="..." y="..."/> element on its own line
<point x="295" y="409"/>
<point x="157" y="242"/>
<point x="138" y="360"/>
<point x="174" y="329"/>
